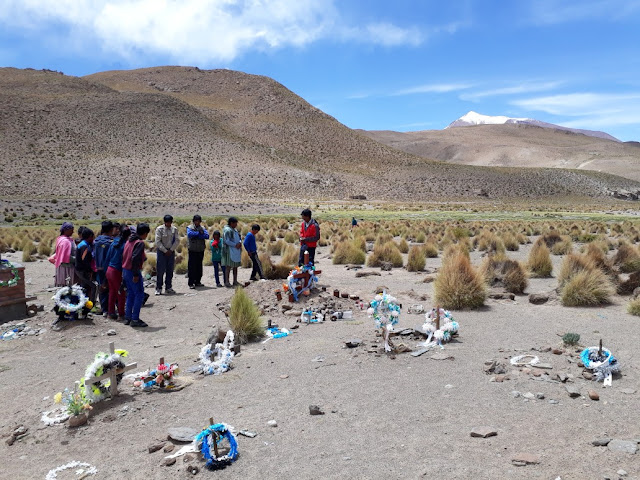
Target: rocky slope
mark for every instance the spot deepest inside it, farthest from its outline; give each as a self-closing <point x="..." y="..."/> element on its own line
<point x="220" y="135"/>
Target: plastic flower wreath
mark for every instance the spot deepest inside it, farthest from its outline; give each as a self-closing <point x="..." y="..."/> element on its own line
<point x="69" y="301"/>
<point x="448" y="327"/>
<point x="385" y="311"/>
<point x="13" y="281"/>
<point x="161" y="376"/>
<point x="103" y="363"/>
<point x="218" y="359"/>
<point x="74" y="401"/>
<point x="214" y="435"/>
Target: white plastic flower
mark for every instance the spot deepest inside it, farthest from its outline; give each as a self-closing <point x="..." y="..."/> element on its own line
<point x="370" y="311"/>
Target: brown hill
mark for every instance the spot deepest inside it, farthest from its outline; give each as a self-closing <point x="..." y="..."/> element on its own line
<point x="185" y="133"/>
<point x="514" y="145"/>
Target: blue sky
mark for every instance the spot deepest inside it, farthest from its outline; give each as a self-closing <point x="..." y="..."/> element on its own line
<point x="401" y="65"/>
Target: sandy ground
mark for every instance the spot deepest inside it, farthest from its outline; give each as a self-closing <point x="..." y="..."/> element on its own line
<point x="386" y="418"/>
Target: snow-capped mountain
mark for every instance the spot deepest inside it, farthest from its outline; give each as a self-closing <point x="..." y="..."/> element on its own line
<point x="474" y="118"/>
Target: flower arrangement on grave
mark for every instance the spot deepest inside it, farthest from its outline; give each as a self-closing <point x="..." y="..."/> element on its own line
<point x="297" y="283"/>
<point x="217" y="360"/>
<point x="69" y="301"/>
<point x="15" y="274"/>
<point x="602" y="362"/>
<point x="208" y="441"/>
<point x="439" y="326"/>
<point x="103" y="363"/>
<point x="385" y="311"/>
<point x="74" y="401"/>
<point x="161" y="376"/>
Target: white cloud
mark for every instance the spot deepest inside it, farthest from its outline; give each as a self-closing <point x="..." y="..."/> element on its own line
<point x="200" y="30"/>
<point x="433" y="88"/>
<point x="582" y="104"/>
<point x="528" y="87"/>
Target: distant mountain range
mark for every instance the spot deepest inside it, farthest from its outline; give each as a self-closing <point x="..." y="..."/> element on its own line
<point x="474" y="118"/>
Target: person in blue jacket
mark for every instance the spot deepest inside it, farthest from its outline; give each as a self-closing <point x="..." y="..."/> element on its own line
<point x="252" y="249"/>
<point x="100" y="250"/>
<point x="196" y="236"/>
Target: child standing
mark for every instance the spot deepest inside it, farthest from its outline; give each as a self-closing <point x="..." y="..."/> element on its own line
<point x="252" y="249"/>
<point x="85" y="265"/>
<point x="216" y="256"/>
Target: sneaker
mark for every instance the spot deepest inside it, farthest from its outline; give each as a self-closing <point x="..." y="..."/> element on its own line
<point x="253" y="279"/>
<point x="113" y="316"/>
<point x="236" y="284"/>
<point x="146" y="297"/>
<point x="199" y="284"/>
<point x="219" y="285"/>
<point x="192" y="287"/>
<point x="105" y="314"/>
<point x="228" y="285"/>
<point x="137" y="323"/>
<point x="158" y="292"/>
<point x="170" y="290"/>
<point x="127" y="321"/>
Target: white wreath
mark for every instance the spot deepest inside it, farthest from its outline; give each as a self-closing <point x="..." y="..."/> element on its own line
<point x="85" y="470"/>
<point x="63" y="304"/>
<point x="222" y="353"/>
<point x="102" y="360"/>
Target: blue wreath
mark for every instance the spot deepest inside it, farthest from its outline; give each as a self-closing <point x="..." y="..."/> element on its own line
<point x="207" y="437"/>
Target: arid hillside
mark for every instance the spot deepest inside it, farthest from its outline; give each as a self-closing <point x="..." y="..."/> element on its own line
<point x="220" y="135"/>
<point x="517" y="146"/>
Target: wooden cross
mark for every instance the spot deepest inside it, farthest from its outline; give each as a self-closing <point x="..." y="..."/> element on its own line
<point x="438" y="317"/>
<point x="111" y="374"/>
<point x="215" y="438"/>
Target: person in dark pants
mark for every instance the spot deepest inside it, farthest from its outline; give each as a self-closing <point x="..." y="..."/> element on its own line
<point x="85" y="272"/>
<point x="100" y="250"/>
<point x="309" y="236"/>
<point x="167" y="240"/>
<point x="252" y="249"/>
<point x="133" y="256"/>
<point x="196" y="236"/>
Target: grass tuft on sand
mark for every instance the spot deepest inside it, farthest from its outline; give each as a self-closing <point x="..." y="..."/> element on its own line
<point x="459" y="285"/>
<point x="244" y="317"/>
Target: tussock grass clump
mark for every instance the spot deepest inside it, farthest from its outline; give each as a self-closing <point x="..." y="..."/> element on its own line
<point x="459" y="285"/>
<point x="562" y="247"/>
<point x="290" y="255"/>
<point x="245" y="260"/>
<point x="587" y="288"/>
<point x="430" y="250"/>
<point x="273" y="271"/>
<point x="181" y="265"/>
<point x="500" y="270"/>
<point x="634" y="307"/>
<point x="421" y="237"/>
<point x="290" y="237"/>
<point x="44" y="248"/>
<point x="387" y="252"/>
<point x="28" y="249"/>
<point x="416" y="260"/>
<point x="574" y="264"/>
<point x="539" y="262"/>
<point x="510" y="241"/>
<point x="594" y="252"/>
<point x="244" y="317"/>
<point x="349" y="252"/>
<point x="403" y="246"/>
<point x="551" y="238"/>
<point x="276" y="246"/>
<point x="627" y="258"/>
<point x="150" y="266"/>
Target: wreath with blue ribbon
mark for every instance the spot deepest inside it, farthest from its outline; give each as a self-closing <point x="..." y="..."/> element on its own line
<point x="214" y="435"/>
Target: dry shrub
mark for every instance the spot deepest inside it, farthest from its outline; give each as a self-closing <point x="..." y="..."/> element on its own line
<point x="403" y="246"/>
<point x="627" y="258"/>
<point x="421" y="237"/>
<point x="387" y="252"/>
<point x="629" y="285"/>
<point x="562" y="247"/>
<point x="490" y="243"/>
<point x="276" y="246"/>
<point x="551" y="238"/>
<point x="181" y="265"/>
<point x="44" y="248"/>
<point x="498" y="270"/>
<point x="349" y="252"/>
<point x="539" y="262"/>
<point x="244" y="317"/>
<point x="430" y="250"/>
<point x="290" y="255"/>
<point x="290" y="237"/>
<point x="510" y="241"/>
<point x="28" y="249"/>
<point x="587" y="288"/>
<point x="245" y="260"/>
<point x="594" y="252"/>
<point x="634" y="307"/>
<point x="150" y="266"/>
<point x="459" y="285"/>
<point x="574" y="264"/>
<point x="416" y="260"/>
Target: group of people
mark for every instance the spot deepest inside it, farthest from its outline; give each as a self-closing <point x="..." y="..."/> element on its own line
<point x="109" y="266"/>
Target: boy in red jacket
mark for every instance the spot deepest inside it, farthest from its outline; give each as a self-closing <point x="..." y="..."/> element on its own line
<point x="133" y="257"/>
<point x="309" y="236"/>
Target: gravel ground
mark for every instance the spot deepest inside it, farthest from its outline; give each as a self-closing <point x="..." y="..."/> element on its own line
<point x="407" y="417"/>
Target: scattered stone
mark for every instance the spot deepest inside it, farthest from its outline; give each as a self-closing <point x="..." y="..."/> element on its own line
<point x="500" y="378"/>
<point x="556" y="351"/>
<point x="628" y="391"/>
<point x="315" y="410"/>
<point x="11" y="440"/>
<point x="522" y="459"/>
<point x="169" y="448"/>
<point x="554" y="402"/>
<point x="538" y="298"/>
<point x="572" y="390"/>
<point x="526" y="371"/>
<point x="192" y="469"/>
<point x="441" y="356"/>
<point x="500" y="369"/>
<point x="623" y="446"/>
<point x="593" y="395"/>
<point x="284" y="376"/>
<point x="529" y="396"/>
<point x="587" y="375"/>
<point x="272" y="423"/>
<point x="386" y="266"/>
<point x="247" y="433"/>
<point x="601" y="442"/>
<point x="515" y="394"/>
<point x="188" y="458"/>
<point x="540" y="396"/>
<point x="21" y="430"/>
<point x="169" y="461"/>
<point x="155" y="447"/>
<point x="536" y="373"/>
<point x="544" y="366"/>
<point x="111" y="332"/>
<point x="182" y="434"/>
<point x="353" y="342"/>
<point x="419" y="352"/>
<point x="484" y="432"/>
<point x="562" y="377"/>
<point x="622" y="472"/>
